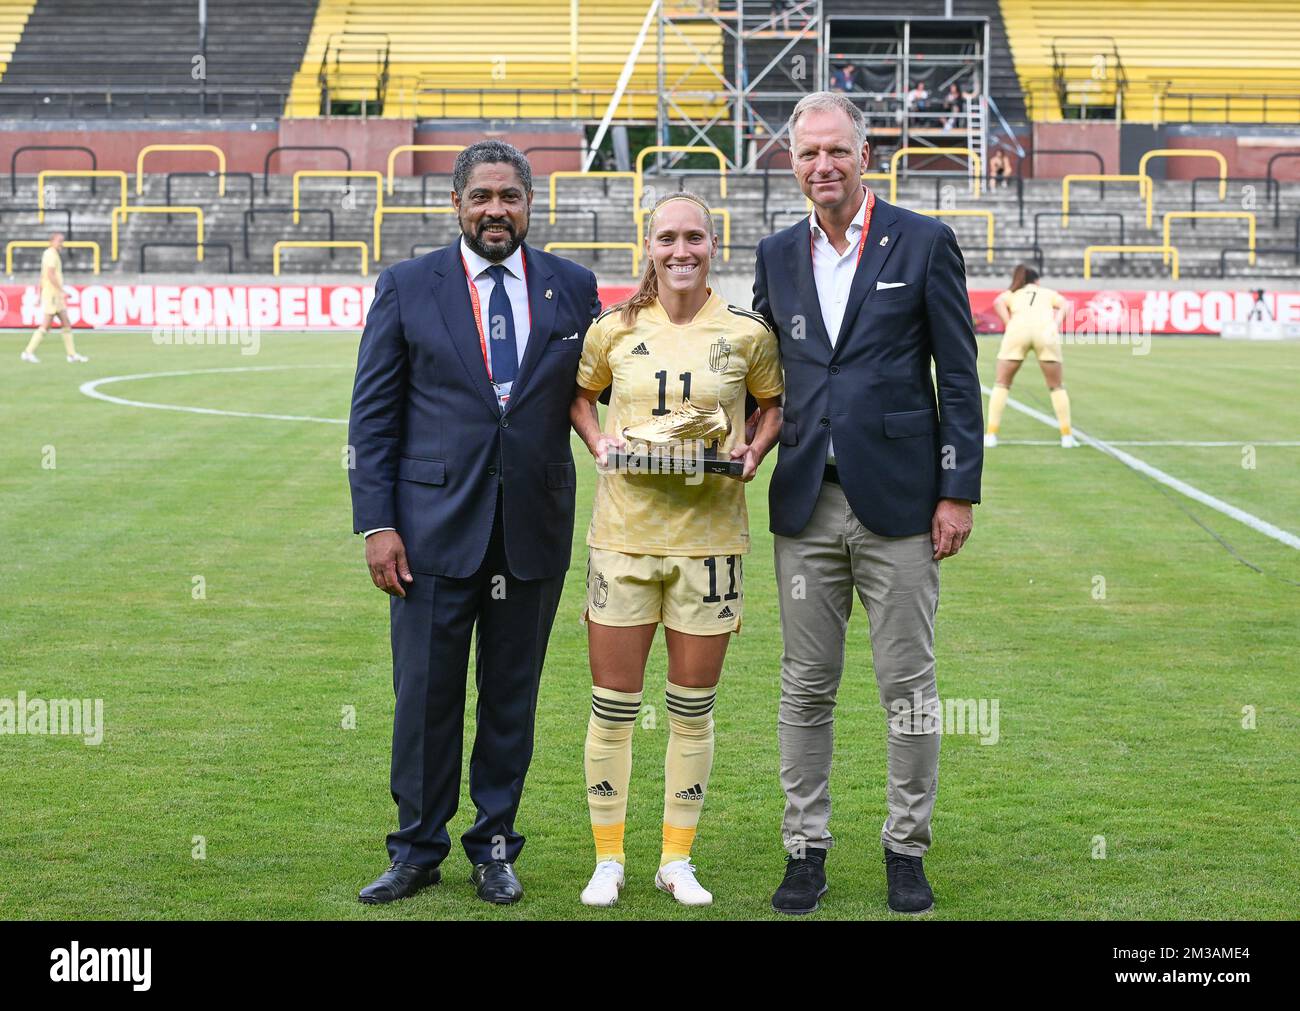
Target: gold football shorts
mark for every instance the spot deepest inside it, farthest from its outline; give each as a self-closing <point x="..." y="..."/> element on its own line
<point x="1019" y="341"/>
<point x="695" y="595"/>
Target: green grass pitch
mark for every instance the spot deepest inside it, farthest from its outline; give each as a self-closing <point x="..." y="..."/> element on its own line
<point x="1120" y="717"/>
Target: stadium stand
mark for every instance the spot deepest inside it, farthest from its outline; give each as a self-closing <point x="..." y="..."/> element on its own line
<point x="1184" y="60"/>
<point x="13" y="18"/>
<point x="462" y="61"/>
<point x="143" y="58"/>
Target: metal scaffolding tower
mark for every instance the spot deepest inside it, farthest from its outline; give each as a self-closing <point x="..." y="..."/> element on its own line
<point x="768" y="57"/>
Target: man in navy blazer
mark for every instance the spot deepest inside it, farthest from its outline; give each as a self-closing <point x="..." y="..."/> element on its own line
<point x="874" y="481"/>
<point x="463" y="484"/>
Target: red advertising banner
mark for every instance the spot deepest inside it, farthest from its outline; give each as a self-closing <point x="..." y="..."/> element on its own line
<point x="343" y="307"/>
<point x="261" y="306"/>
<point x="1151" y="312"/>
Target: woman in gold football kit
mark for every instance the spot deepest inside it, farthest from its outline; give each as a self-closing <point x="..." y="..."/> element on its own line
<point x="1032" y="317"/>
<point x="667" y="547"/>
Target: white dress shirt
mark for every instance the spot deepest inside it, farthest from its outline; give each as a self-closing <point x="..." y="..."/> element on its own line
<point x="516" y="289"/>
<point x="833" y="274"/>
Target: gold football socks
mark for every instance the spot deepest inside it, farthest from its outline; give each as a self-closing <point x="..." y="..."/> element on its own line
<point x="997" y="403"/>
<point x="686" y="766"/>
<point x="608" y="761"/>
<point x="1061" y="405"/>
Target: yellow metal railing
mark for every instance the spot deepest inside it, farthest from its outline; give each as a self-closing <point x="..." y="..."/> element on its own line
<point x="968" y="212"/>
<point x="41" y="244"/>
<point x="392" y="155"/>
<point x="120" y="213"/>
<point x="903" y="152"/>
<point x="1182" y="152"/>
<point x="151" y="148"/>
<point x="636" y="254"/>
<point x="712" y="152"/>
<point x="1169" y="251"/>
<point x="575" y="174"/>
<point x="41" y="176"/>
<point x="320" y="244"/>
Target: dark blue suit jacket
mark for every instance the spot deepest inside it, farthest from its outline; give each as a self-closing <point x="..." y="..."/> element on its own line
<point x="896" y="450"/>
<point x="431" y="443"/>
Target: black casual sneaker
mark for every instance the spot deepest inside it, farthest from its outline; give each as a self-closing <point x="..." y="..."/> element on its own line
<point x="909" y="892"/>
<point x="804" y="885"/>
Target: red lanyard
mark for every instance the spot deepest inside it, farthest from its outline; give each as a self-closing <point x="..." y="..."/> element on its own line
<point x="866" y="227"/>
<point x="478" y="307"/>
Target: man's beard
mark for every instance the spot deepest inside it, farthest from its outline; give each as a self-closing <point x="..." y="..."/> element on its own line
<point x="496" y="252"/>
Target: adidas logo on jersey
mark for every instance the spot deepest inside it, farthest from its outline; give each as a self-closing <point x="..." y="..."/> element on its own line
<point x="690" y="793"/>
<point x="602" y="789"/>
<point x="641" y="349"/>
<point x="726" y="612"/>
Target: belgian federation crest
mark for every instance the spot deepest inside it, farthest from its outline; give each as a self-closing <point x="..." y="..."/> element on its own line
<point x="719" y="355"/>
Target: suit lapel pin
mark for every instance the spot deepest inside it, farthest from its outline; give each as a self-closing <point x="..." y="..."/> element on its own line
<point x="548" y="292"/>
<point x="884" y="240"/>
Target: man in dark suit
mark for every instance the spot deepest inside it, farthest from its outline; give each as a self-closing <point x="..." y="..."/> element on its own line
<point x="464" y="486"/>
<point x="873" y="483"/>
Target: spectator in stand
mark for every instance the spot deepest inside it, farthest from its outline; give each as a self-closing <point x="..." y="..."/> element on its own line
<point x="845" y="79"/>
<point x="999" y="169"/>
<point x="918" y="97"/>
<point x="952" y="104"/>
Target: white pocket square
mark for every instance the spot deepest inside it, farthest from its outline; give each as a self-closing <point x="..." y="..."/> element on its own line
<point x="572" y="337"/>
<point x="882" y="285"/>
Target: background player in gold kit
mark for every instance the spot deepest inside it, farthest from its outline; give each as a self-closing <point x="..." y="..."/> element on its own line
<point x="666" y="547"/>
<point x="1032" y="316"/>
<point x="53" y="304"/>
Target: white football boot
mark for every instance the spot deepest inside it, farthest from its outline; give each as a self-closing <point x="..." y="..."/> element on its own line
<point x="605" y="884"/>
<point x="77" y="358"/>
<point x="1069" y="442"/>
<point x="27" y="356"/>
<point x="678" y="880"/>
<point x="990" y="440"/>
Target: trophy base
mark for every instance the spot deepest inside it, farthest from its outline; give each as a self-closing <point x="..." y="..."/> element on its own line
<point x="642" y="463"/>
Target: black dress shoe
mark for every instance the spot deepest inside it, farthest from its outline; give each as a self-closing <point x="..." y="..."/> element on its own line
<point x="399" y="882"/>
<point x="909" y="892"/>
<point x="804" y="885"/>
<point x="497" y="882"/>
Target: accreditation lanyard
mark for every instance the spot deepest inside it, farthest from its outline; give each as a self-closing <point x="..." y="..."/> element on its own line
<point x="477" y="306"/>
<point x="862" y="241"/>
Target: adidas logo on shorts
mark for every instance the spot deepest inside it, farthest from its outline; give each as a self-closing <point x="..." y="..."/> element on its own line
<point x="602" y="789"/>
<point x="641" y="349"/>
<point x="690" y="793"/>
<point x="726" y="612"/>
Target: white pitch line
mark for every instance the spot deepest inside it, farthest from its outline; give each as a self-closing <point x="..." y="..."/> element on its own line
<point x="1182" y="487"/>
<point x="91" y="389"/>
<point x="1151" y="442"/>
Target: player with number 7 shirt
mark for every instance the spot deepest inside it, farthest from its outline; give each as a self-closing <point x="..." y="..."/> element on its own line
<point x="678" y="361"/>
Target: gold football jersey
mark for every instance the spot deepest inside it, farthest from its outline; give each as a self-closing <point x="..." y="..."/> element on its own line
<point x="652" y="366"/>
<point x="1033" y="308"/>
<point x="51" y="261"/>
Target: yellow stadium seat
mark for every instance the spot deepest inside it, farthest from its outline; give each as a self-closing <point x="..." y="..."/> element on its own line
<point x="458" y="60"/>
<point x="1190" y="60"/>
<point x="13" y="18"/>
